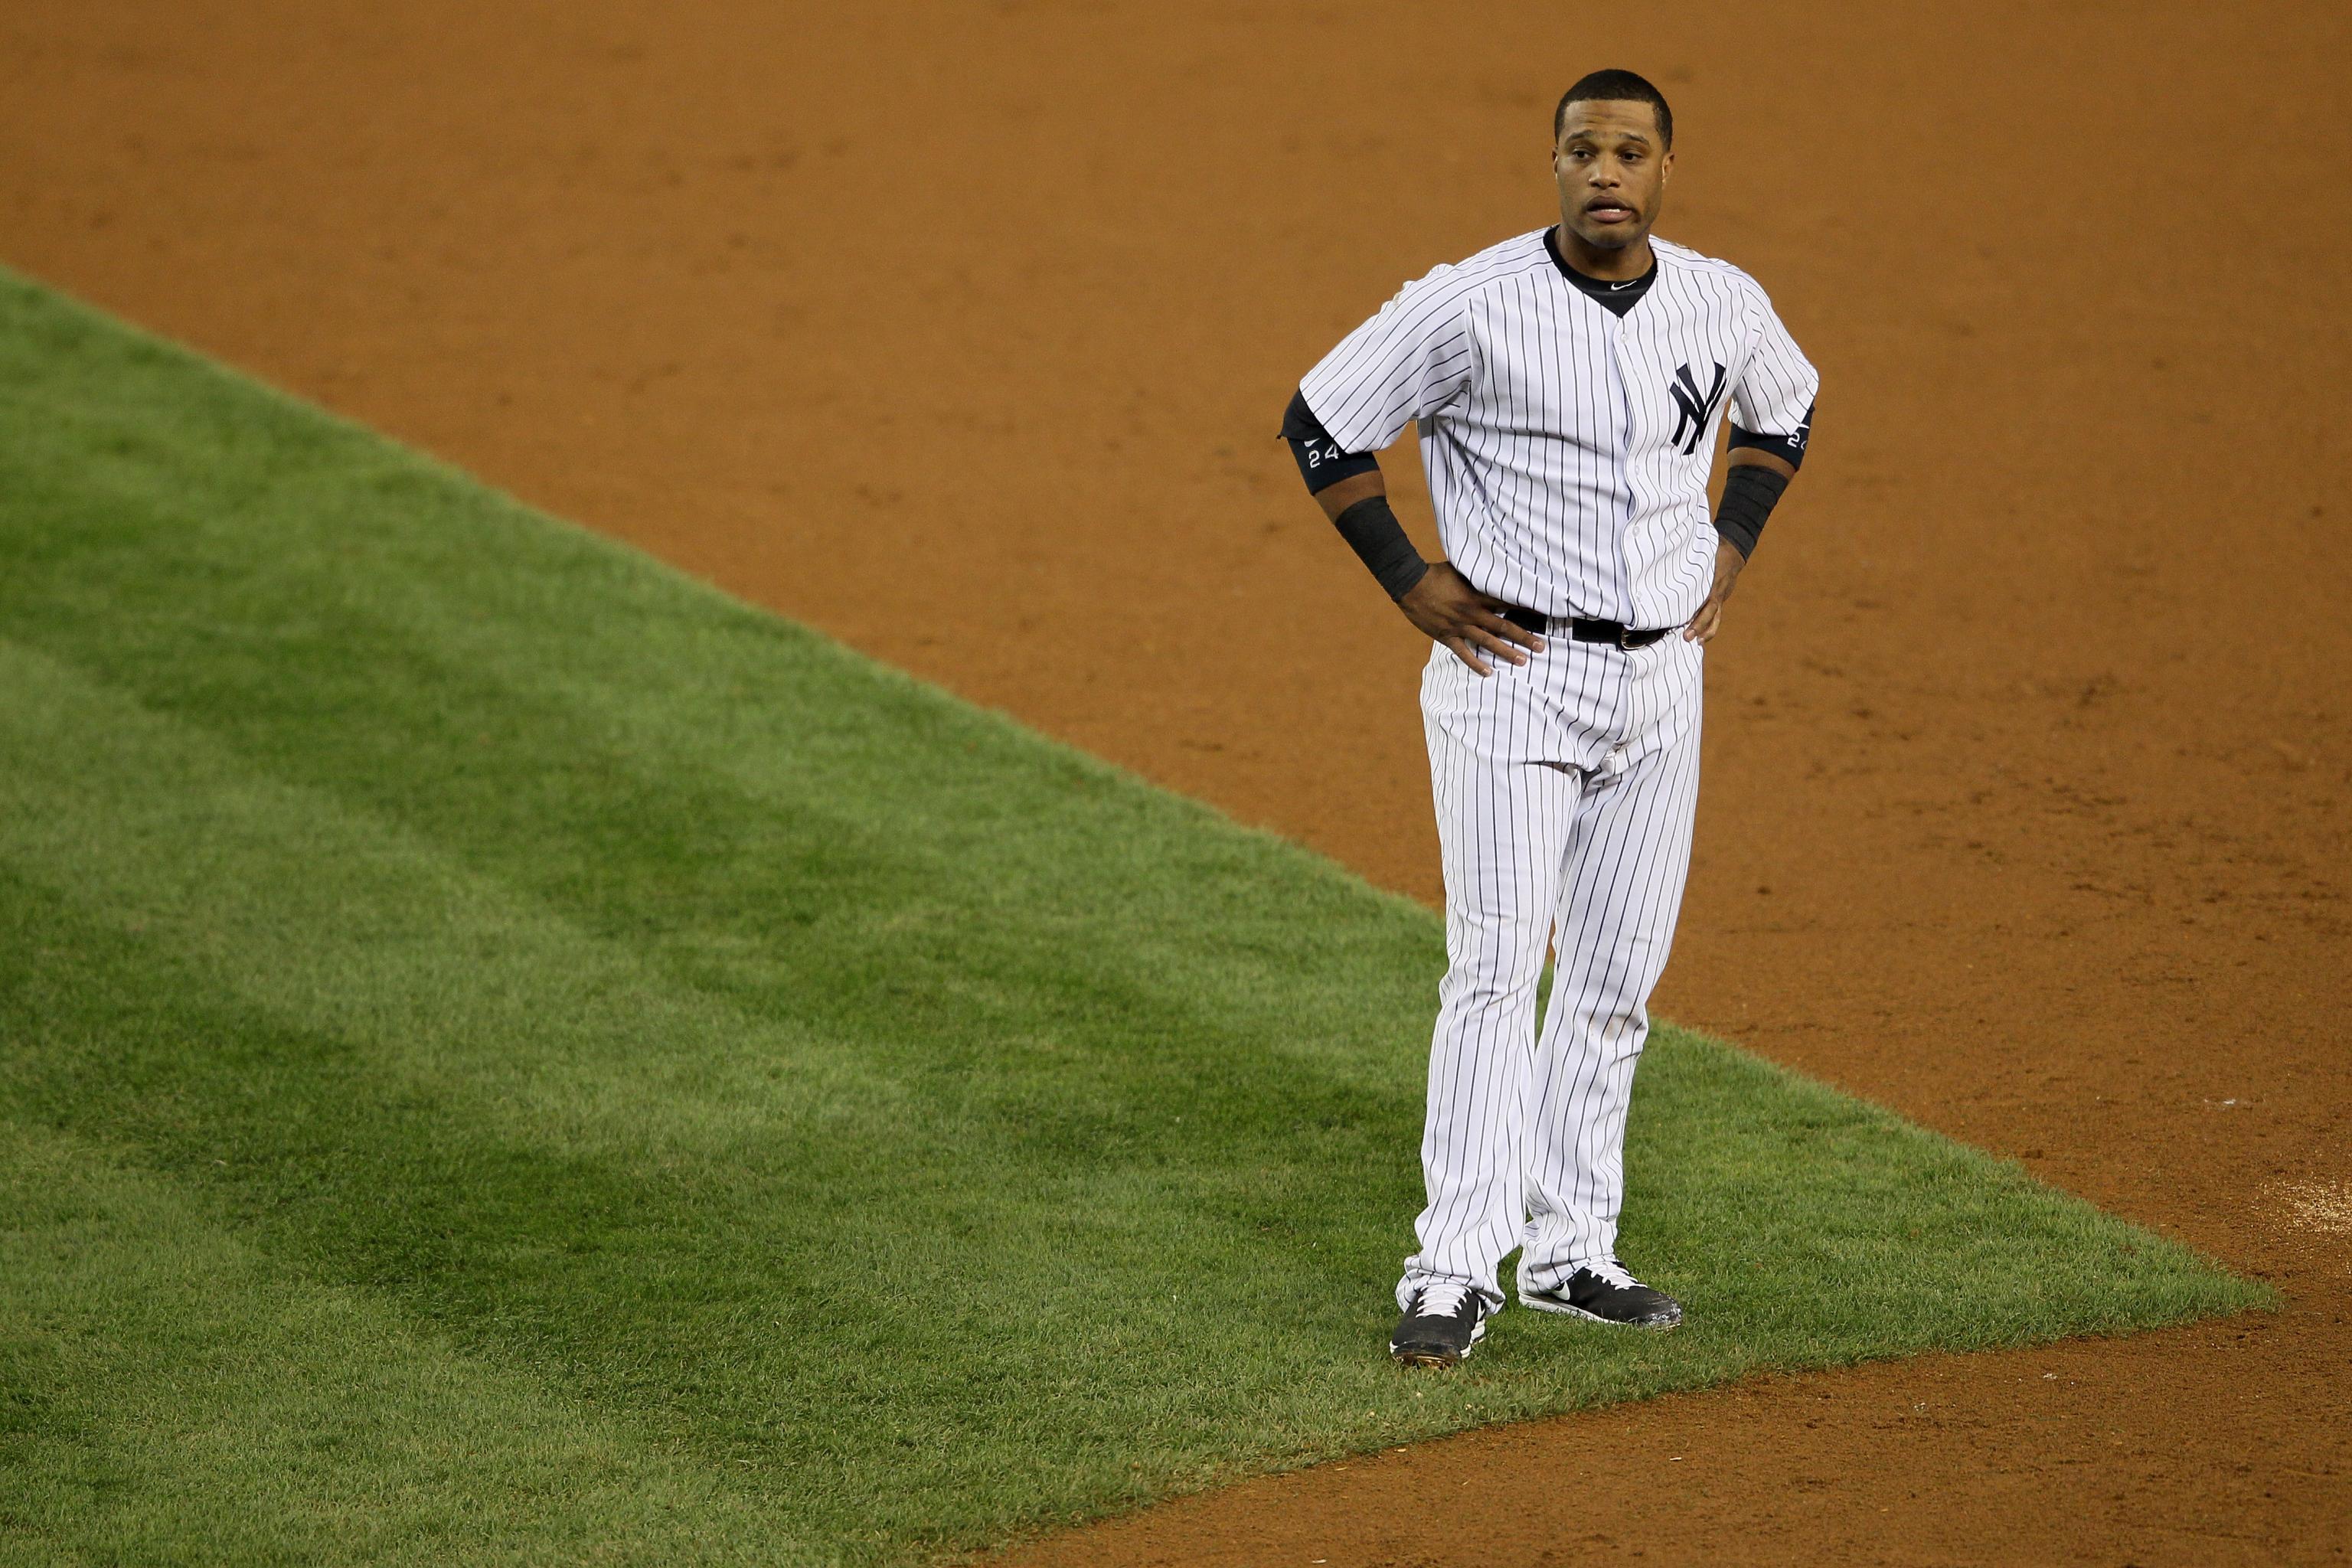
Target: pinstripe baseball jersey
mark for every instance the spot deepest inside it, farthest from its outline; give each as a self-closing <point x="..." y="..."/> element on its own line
<point x="1567" y="449"/>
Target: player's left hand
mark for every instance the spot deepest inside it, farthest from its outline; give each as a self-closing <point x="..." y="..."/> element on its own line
<point x="1727" y="563"/>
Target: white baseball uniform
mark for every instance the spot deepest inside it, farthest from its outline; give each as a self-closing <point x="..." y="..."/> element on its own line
<point x="1567" y="452"/>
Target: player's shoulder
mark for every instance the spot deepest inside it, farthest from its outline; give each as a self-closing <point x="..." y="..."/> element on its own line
<point x="1484" y="270"/>
<point x="1507" y="258"/>
<point x="1697" y="263"/>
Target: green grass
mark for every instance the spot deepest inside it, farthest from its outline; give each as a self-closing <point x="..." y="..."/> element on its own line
<point x="507" y="1054"/>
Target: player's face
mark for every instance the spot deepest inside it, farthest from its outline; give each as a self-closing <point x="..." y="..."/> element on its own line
<point x="1612" y="165"/>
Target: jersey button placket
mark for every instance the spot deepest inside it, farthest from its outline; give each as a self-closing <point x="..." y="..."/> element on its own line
<point x="1614" y="333"/>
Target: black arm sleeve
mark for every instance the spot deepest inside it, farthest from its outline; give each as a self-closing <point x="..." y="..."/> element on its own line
<point x="1320" y="462"/>
<point x="1750" y="491"/>
<point x="1378" y="540"/>
<point x="1370" y="527"/>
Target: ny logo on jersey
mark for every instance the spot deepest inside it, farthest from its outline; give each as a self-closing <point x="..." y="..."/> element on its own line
<point x="1691" y="411"/>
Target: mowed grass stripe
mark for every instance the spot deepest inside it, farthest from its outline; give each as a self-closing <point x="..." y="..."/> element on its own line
<point x="848" y="1244"/>
<point x="148" y="1357"/>
<point x="926" y="1131"/>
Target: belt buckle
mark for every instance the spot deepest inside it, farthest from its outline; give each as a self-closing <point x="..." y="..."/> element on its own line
<point x="1624" y="637"/>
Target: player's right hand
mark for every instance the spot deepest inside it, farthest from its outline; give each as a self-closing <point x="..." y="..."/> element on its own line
<point x="1450" y="610"/>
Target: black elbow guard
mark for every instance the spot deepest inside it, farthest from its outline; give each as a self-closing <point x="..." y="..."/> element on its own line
<point x="1320" y="462"/>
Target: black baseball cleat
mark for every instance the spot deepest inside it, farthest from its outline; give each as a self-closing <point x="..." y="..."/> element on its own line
<point x="1442" y="1322"/>
<point x="1605" y="1293"/>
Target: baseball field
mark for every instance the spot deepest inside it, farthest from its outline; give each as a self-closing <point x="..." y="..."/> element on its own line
<point x="701" y="859"/>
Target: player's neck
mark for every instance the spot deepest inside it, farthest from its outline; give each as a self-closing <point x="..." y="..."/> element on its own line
<point x="1609" y="266"/>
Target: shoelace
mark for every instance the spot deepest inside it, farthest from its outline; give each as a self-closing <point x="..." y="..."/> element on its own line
<point x="1613" y="1272"/>
<point x="1442" y="1297"/>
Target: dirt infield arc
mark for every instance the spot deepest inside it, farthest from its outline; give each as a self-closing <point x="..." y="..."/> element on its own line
<point x="961" y="335"/>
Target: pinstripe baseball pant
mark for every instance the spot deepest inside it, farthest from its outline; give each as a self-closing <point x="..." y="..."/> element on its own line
<point x="1565" y="793"/>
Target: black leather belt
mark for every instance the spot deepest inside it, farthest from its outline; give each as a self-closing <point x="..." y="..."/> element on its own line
<point x="1582" y="628"/>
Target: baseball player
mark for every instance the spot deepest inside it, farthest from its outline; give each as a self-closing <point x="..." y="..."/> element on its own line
<point x="1568" y="386"/>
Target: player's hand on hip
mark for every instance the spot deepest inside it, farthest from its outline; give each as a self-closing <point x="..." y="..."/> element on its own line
<point x="1450" y="610"/>
<point x="1703" y="626"/>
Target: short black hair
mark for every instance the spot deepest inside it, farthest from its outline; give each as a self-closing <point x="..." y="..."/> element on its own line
<point x="1617" y="84"/>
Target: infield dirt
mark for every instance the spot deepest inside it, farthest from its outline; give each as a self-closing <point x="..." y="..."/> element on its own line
<point x="963" y="335"/>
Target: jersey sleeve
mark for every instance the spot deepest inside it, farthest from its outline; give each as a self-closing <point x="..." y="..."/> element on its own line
<point x="1773" y="402"/>
<point x="1405" y="364"/>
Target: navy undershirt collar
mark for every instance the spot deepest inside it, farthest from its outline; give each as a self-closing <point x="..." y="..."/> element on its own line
<point x="1615" y="298"/>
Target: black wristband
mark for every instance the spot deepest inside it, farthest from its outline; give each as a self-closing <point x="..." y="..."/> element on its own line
<point x="1750" y="491"/>
<point x="1376" y="536"/>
